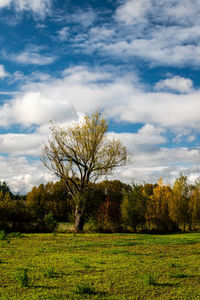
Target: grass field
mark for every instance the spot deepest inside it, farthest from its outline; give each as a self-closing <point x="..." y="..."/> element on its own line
<point x="100" y="266"/>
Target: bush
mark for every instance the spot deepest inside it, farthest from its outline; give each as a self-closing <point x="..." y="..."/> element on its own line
<point x="16" y="235"/>
<point x="2" y="235"/>
<point x="22" y="277"/>
<point x="150" y="279"/>
<point x="49" y="222"/>
<point x="49" y="272"/>
<point x="92" y="225"/>
<point x="84" y="289"/>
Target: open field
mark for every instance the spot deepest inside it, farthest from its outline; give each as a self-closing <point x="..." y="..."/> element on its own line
<point x="100" y="266"/>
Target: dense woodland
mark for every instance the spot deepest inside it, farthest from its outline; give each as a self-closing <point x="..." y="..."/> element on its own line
<point x="112" y="206"/>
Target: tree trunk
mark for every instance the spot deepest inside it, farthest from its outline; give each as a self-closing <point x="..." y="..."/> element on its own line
<point x="79" y="220"/>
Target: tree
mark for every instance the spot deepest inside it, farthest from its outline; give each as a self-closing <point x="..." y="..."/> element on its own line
<point x="181" y="192"/>
<point x="5" y="189"/>
<point x="81" y="154"/>
<point x="51" y="197"/>
<point x="194" y="206"/>
<point x="36" y="200"/>
<point x="158" y="207"/>
<point x="133" y="206"/>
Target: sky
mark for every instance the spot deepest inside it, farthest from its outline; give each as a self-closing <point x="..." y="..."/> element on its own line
<point x="137" y="61"/>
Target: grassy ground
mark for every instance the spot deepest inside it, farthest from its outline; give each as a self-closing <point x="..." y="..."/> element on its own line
<point x="100" y="266"/>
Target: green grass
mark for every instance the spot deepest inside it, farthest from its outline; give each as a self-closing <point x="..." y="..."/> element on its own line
<point x="100" y="266"/>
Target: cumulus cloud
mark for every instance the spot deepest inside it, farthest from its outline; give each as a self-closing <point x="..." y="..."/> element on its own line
<point x="80" y="90"/>
<point x="176" y="83"/>
<point x="34" y="108"/>
<point x="163" y="162"/>
<point x="33" y="58"/>
<point x="166" y="109"/>
<point x="4" y="3"/>
<point x="31" y="55"/>
<point x="3" y="72"/>
<point x="38" y="7"/>
<point x="166" y="163"/>
<point x="100" y="33"/>
<point x="21" y="175"/>
<point x="21" y="144"/>
<point x="133" y="11"/>
<point x="63" y="34"/>
<point x="170" y="12"/>
<point x="147" y="135"/>
<point x="84" y="17"/>
<point x="160" y="32"/>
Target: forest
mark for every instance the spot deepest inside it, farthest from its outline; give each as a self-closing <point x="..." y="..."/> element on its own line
<point x="112" y="206"/>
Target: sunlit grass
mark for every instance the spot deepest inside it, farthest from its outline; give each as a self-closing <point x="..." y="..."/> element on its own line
<point x="101" y="266"/>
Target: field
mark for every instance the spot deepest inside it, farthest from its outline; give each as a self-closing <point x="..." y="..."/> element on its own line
<point x="100" y="266"/>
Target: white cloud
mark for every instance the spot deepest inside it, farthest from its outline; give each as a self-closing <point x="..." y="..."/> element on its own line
<point x="34" y="108"/>
<point x="151" y="164"/>
<point x="165" y="109"/>
<point x="170" y="12"/>
<point x="80" y="90"/>
<point x="176" y="83"/>
<point x="133" y="11"/>
<point x="191" y="138"/>
<point x="34" y="58"/>
<point x="100" y="33"/>
<point x="147" y="135"/>
<point x="21" y="175"/>
<point x="160" y="32"/>
<point x="155" y="50"/>
<point x="21" y="144"/>
<point x="4" y="3"/>
<point x="32" y="55"/>
<point x="181" y="12"/>
<point x="63" y="34"/>
<point x="38" y="7"/>
<point x="3" y="72"/>
<point x="84" y="17"/>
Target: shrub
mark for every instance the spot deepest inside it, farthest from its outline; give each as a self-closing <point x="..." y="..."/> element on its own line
<point x="50" y="222"/>
<point x="2" y="235"/>
<point x="150" y="279"/>
<point x="16" y="235"/>
<point x="92" y="225"/>
<point x="84" y="289"/>
<point x="49" y="272"/>
<point x="22" y="277"/>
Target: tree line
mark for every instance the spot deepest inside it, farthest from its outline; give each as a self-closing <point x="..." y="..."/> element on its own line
<point x="112" y="206"/>
<point x="81" y="154"/>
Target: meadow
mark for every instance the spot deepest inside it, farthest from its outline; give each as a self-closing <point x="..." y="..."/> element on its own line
<point x="100" y="266"/>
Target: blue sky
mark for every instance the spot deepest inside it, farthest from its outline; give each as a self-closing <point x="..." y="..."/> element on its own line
<point x="137" y="61"/>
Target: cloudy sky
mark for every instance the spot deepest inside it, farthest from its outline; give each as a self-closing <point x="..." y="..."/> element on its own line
<point x="138" y="61"/>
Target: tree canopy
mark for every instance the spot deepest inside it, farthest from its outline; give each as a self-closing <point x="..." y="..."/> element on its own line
<point x="81" y="153"/>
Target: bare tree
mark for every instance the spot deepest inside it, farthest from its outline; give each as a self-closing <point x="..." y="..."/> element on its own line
<point x="81" y="154"/>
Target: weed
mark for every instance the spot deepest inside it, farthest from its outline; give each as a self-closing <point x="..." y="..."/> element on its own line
<point x="173" y="265"/>
<point x="22" y="277"/>
<point x="150" y="279"/>
<point x="16" y="235"/>
<point x="92" y="266"/>
<point x="2" y="235"/>
<point x="50" y="222"/>
<point x="49" y="272"/>
<point x="86" y="266"/>
<point x="178" y="275"/>
<point x="84" y="289"/>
